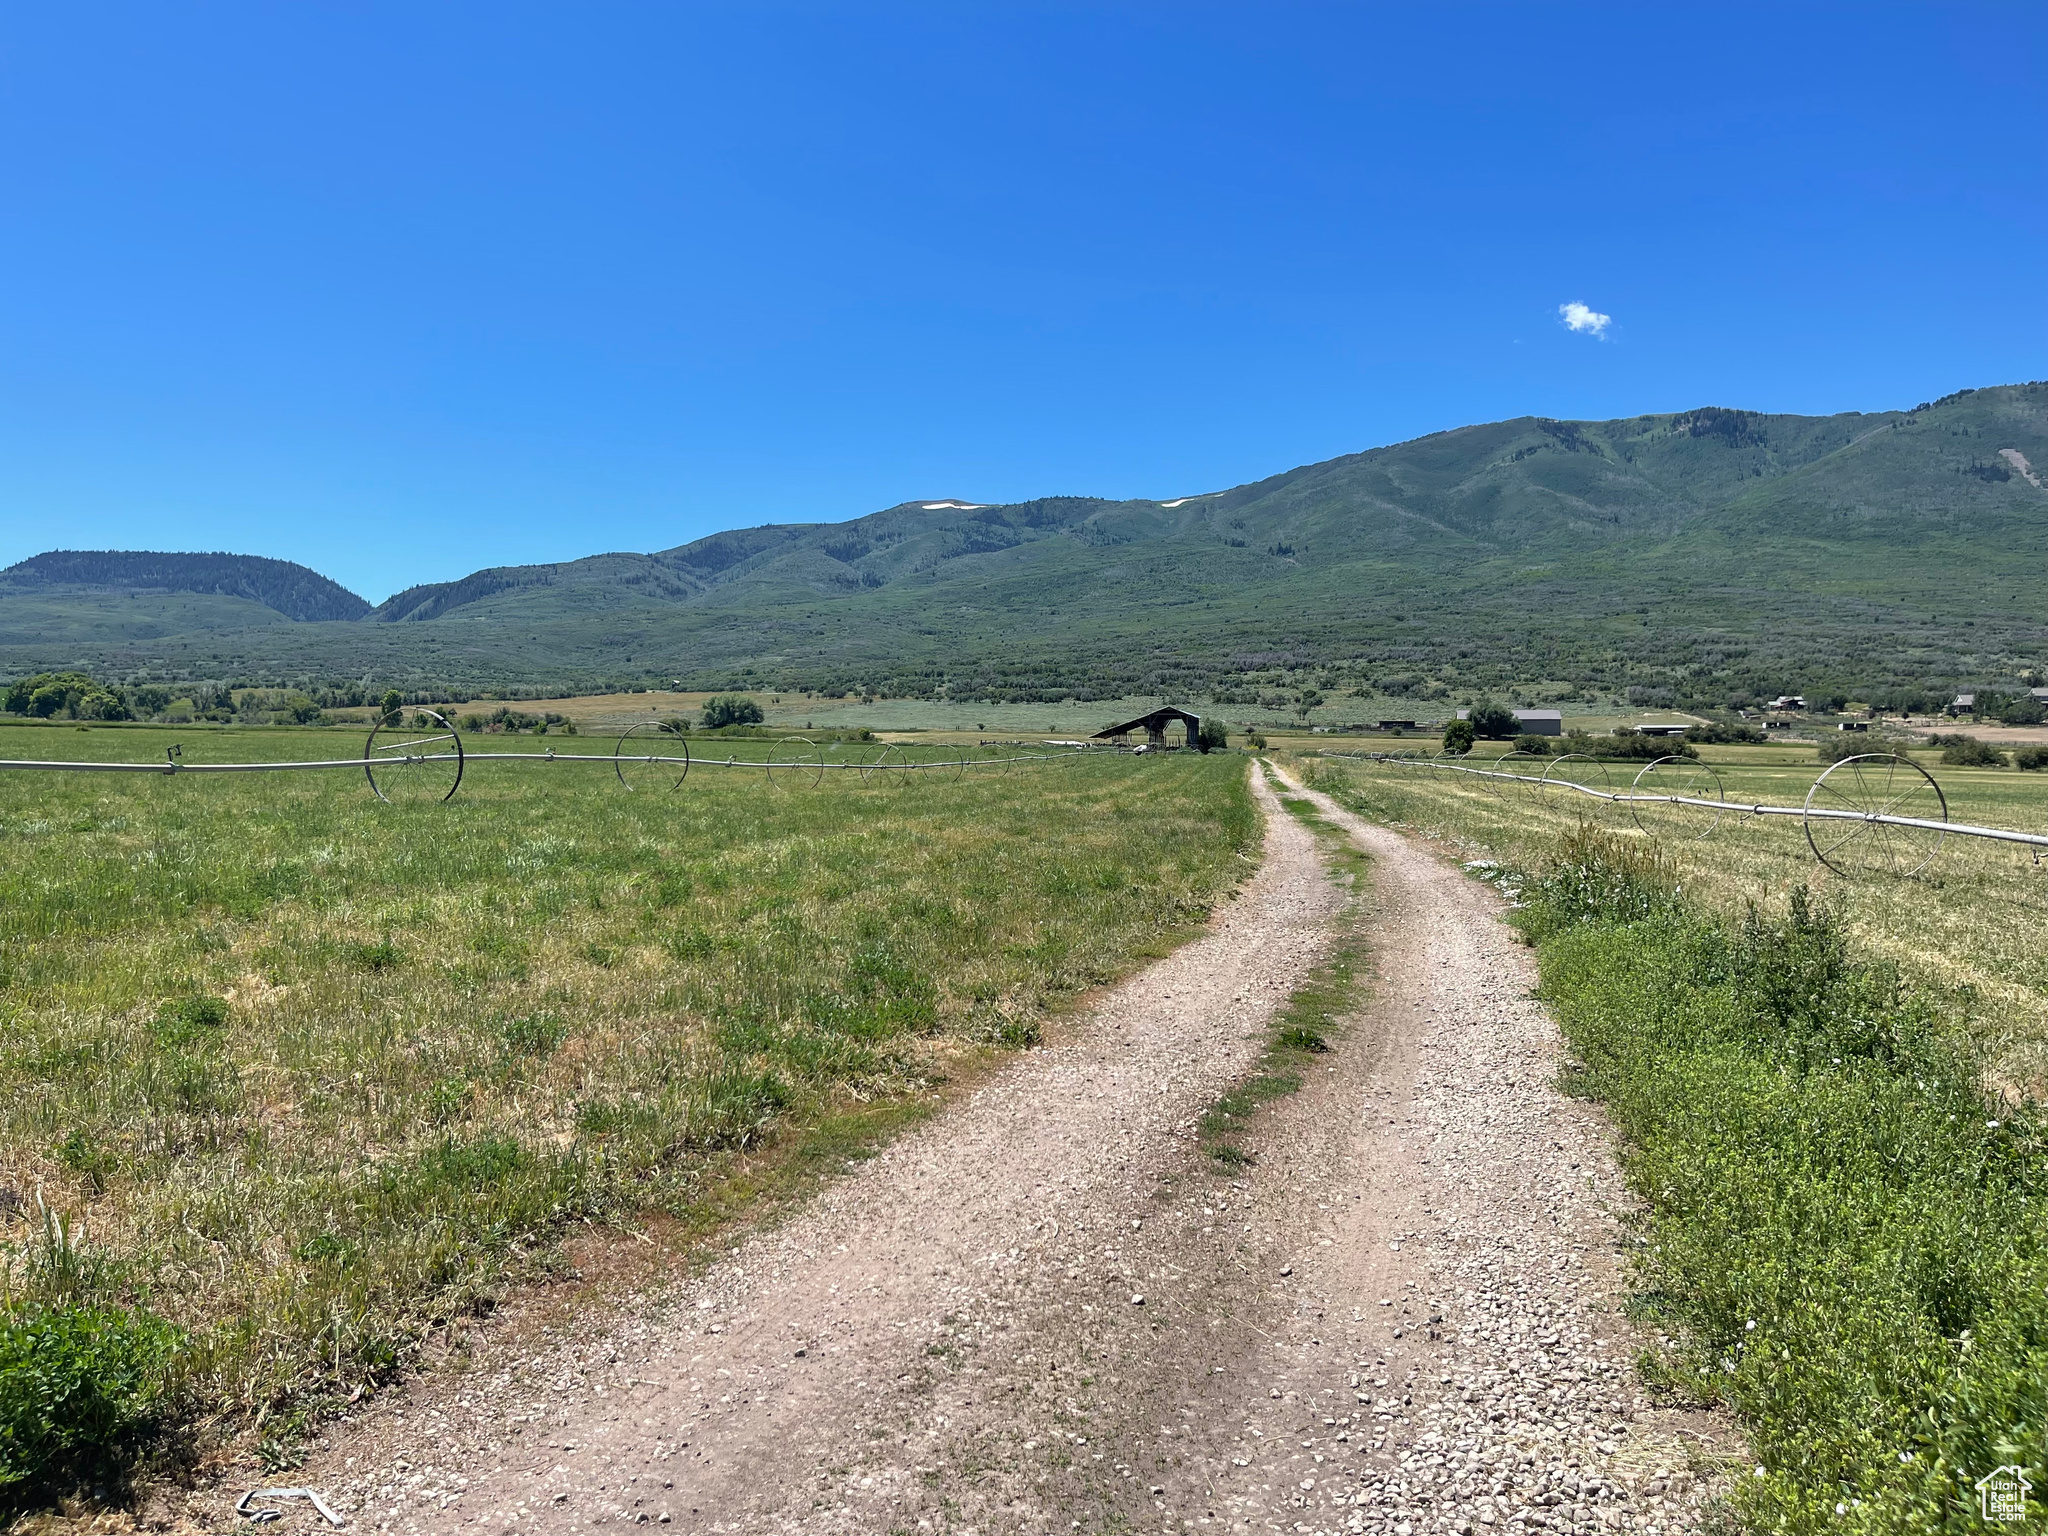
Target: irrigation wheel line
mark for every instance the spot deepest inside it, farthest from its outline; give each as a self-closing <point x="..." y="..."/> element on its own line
<point x="645" y="767"/>
<point x="1687" y="782"/>
<point x="397" y="759"/>
<point x="1874" y="818"/>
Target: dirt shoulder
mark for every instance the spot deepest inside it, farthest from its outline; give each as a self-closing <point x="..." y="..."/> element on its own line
<point x="1048" y="1310"/>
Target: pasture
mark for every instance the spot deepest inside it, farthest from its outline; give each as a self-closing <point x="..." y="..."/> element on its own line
<point x="306" y="1074"/>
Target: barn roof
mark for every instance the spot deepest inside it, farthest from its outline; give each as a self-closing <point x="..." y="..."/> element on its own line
<point x="1154" y="721"/>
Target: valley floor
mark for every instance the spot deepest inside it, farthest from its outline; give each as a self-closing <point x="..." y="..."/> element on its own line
<point x="1050" y="1310"/>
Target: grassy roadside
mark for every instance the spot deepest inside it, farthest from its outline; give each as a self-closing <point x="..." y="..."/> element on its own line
<point x="1843" y="1237"/>
<point x="1308" y="1021"/>
<point x="291" y="1078"/>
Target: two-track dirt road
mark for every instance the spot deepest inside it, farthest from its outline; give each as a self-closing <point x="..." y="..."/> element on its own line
<point x="1047" y="1310"/>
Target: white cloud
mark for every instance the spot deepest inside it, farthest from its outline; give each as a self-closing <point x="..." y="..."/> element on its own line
<point x="1583" y="317"/>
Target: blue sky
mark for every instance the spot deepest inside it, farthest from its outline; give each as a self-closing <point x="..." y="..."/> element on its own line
<point x="400" y="291"/>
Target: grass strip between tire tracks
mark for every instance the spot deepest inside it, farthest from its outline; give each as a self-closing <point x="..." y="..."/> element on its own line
<point x="1311" y="1017"/>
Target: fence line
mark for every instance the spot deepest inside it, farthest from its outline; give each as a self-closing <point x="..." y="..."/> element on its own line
<point x="1863" y="834"/>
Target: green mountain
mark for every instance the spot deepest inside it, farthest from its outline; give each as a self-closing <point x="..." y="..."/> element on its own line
<point x="101" y="599"/>
<point x="1688" y="555"/>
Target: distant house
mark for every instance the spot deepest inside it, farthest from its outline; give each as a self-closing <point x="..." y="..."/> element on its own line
<point x="1852" y="725"/>
<point x="1660" y="730"/>
<point x="1788" y="701"/>
<point x="1535" y="722"/>
<point x="1395" y="725"/>
<point x="1963" y="704"/>
<point x="2038" y="695"/>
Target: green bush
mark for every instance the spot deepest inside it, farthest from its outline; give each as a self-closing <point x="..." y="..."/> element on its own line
<point x="1632" y="745"/>
<point x="1842" y="1239"/>
<point x="1594" y="874"/>
<point x="723" y="709"/>
<point x="1459" y="736"/>
<point x="1969" y="752"/>
<point x="1538" y="746"/>
<point x="1833" y="749"/>
<point x="1716" y="734"/>
<point x="2031" y="759"/>
<point x="1494" y="722"/>
<point x="1212" y="736"/>
<point x="78" y="1386"/>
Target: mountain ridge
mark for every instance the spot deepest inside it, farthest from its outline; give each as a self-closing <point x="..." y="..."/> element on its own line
<point x="1672" y="550"/>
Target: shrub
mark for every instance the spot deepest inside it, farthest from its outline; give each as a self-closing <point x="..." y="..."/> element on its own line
<point x="1834" y="748"/>
<point x="1597" y="876"/>
<point x="1537" y="746"/>
<point x="1459" y="736"/>
<point x="1715" y="734"/>
<point x="78" y="1385"/>
<point x="1969" y="752"/>
<point x="723" y="709"/>
<point x="1633" y="745"/>
<point x="2031" y="759"/>
<point x="1212" y="736"/>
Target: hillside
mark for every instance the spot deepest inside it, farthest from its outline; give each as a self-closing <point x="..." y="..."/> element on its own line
<point x="100" y="598"/>
<point x="1691" y="554"/>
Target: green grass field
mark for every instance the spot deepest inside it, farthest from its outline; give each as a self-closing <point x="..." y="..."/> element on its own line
<point x="1978" y="919"/>
<point x="308" y="1075"/>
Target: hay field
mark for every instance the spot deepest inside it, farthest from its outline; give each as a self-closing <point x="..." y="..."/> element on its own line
<point x="1977" y="919"/>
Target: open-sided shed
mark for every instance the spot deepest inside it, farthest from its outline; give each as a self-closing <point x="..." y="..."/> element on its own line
<point x="1154" y="726"/>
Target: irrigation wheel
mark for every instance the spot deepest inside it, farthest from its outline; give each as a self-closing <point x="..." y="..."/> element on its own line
<point x="406" y="768"/>
<point x="1842" y="807"/>
<point x="1527" y="768"/>
<point x="1585" y="773"/>
<point x="887" y="762"/>
<point x="645" y="768"/>
<point x="1685" y="778"/>
<point x="795" y="762"/>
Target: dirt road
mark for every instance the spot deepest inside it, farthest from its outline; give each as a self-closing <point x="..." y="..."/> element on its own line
<point x="1048" y="1311"/>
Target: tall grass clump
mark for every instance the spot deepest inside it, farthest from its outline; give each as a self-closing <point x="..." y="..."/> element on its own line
<point x="1842" y="1237"/>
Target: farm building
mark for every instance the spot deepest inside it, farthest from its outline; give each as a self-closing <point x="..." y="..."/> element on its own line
<point x="1154" y="726"/>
